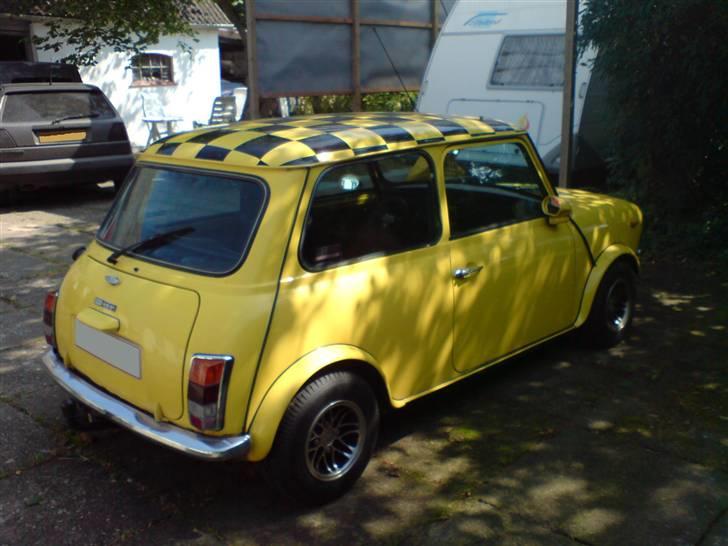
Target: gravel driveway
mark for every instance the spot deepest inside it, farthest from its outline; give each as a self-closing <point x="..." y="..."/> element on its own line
<point x="560" y="446"/>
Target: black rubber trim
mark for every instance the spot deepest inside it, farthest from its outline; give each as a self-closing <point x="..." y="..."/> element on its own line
<point x="583" y="239"/>
<point x="275" y="300"/>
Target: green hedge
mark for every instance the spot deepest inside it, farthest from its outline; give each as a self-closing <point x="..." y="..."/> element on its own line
<point x="667" y="64"/>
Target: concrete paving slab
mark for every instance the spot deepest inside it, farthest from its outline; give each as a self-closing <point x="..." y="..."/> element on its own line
<point x="27" y="293"/>
<point x="15" y="266"/>
<point x="604" y="492"/>
<point x="19" y="327"/>
<point x="29" y="223"/>
<point x="43" y="404"/>
<point x="24" y="442"/>
<point x="22" y="371"/>
<point x="69" y="501"/>
<point x="5" y="306"/>
<point x="55" y="245"/>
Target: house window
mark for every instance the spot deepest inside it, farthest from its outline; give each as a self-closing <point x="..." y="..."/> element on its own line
<point x="530" y="61"/>
<point x="152" y="69"/>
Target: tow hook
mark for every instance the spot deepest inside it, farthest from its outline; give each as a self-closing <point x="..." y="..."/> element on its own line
<point x="80" y="417"/>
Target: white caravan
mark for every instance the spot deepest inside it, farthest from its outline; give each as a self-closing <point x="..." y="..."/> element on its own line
<point x="504" y="59"/>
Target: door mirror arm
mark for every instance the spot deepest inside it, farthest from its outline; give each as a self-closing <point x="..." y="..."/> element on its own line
<point x="557" y="210"/>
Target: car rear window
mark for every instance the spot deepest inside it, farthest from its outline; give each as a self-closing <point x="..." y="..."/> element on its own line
<point x="213" y="217"/>
<point x="39" y="106"/>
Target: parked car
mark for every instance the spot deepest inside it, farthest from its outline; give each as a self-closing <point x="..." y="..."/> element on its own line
<point x="30" y="72"/>
<point x="57" y="133"/>
<point x="263" y="291"/>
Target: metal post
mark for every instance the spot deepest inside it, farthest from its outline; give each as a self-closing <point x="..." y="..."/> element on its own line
<point x="253" y="95"/>
<point x="435" y="22"/>
<point x="355" y="56"/>
<point x="567" y="118"/>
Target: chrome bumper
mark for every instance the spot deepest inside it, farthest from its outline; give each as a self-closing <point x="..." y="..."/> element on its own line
<point x="211" y="448"/>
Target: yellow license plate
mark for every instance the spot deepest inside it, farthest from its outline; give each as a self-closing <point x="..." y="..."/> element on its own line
<point x="61" y="136"/>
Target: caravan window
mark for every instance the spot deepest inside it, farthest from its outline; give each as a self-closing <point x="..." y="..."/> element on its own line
<point x="530" y="61"/>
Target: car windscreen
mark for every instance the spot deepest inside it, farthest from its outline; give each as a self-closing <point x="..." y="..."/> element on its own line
<point x="195" y="220"/>
<point x="47" y="106"/>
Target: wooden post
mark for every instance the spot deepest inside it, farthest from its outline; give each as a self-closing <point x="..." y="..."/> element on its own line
<point x="355" y="56"/>
<point x="435" y="22"/>
<point x="567" y="118"/>
<point x="253" y="94"/>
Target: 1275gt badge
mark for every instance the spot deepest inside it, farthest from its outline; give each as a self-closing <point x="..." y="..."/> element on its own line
<point x="105" y="304"/>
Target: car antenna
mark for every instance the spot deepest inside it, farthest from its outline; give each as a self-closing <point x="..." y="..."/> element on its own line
<point x="409" y="96"/>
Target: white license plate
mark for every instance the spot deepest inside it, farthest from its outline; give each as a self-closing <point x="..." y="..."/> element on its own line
<point x="112" y="350"/>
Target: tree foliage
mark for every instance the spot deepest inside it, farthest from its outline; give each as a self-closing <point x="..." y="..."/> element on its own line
<point x="88" y="26"/>
<point x="665" y="62"/>
<point x="371" y="102"/>
<point x="129" y="26"/>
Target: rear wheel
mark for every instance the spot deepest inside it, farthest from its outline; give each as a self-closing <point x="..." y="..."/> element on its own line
<point x="325" y="440"/>
<point x="610" y="318"/>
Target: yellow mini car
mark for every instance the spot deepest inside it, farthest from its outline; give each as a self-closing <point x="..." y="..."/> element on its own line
<point x="262" y="291"/>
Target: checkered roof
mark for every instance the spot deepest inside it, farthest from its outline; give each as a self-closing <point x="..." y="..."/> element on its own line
<point x="308" y="140"/>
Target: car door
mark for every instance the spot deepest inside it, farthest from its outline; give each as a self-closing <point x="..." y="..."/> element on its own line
<point x="513" y="272"/>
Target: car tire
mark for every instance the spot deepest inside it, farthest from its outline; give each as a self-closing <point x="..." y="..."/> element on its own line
<point x="610" y="318"/>
<point x="325" y="439"/>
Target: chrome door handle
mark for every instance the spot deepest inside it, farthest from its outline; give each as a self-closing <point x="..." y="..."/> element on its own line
<point x="466" y="272"/>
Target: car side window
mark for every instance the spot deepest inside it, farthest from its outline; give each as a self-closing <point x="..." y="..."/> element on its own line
<point x="490" y="185"/>
<point x="371" y="208"/>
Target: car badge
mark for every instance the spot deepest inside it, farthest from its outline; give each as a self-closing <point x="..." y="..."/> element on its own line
<point x="113" y="280"/>
<point x="104" y="304"/>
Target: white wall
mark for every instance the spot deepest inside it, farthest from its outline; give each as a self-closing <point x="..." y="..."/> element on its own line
<point x="196" y="76"/>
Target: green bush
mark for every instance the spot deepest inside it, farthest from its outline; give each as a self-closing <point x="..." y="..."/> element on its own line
<point x="372" y="102"/>
<point x="665" y="62"/>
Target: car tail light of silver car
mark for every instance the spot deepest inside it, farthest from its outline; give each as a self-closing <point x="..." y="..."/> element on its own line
<point x="118" y="132"/>
<point x="207" y="390"/>
<point x="6" y="139"/>
<point x="49" y="312"/>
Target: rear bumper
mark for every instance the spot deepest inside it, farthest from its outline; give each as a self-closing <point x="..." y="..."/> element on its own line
<point x="69" y="170"/>
<point x="211" y="448"/>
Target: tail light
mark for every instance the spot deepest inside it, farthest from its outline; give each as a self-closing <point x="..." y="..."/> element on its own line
<point x="49" y="312"/>
<point x="207" y="390"/>
<point x="118" y="132"/>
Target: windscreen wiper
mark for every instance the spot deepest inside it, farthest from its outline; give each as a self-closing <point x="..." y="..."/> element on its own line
<point x="74" y="116"/>
<point x="155" y="241"/>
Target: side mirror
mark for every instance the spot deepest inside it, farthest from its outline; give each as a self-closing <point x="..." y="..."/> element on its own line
<point x="557" y="210"/>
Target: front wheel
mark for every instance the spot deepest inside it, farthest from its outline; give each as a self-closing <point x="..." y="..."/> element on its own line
<point x="610" y="318"/>
<point x="325" y="440"/>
